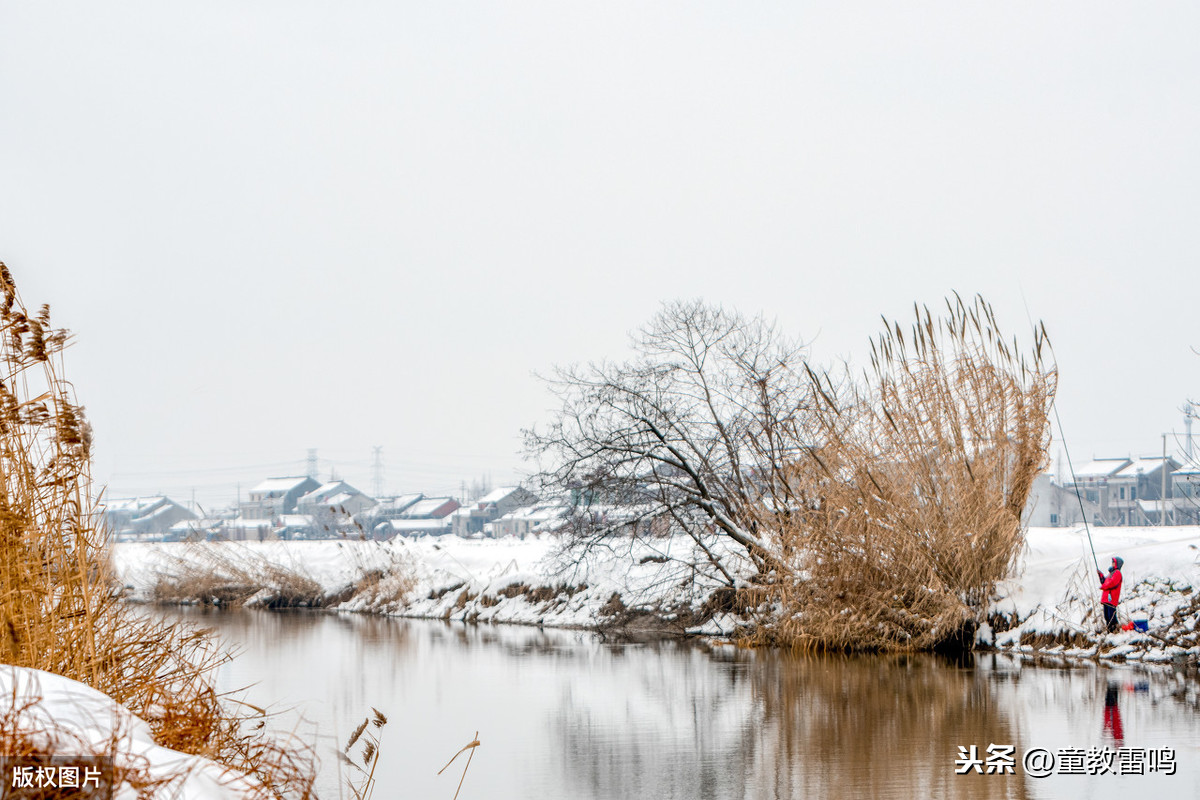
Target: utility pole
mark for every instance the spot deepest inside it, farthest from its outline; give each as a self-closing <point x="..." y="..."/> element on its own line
<point x="1189" y="413"/>
<point x="377" y="472"/>
<point x="1162" y="500"/>
<point x="312" y="463"/>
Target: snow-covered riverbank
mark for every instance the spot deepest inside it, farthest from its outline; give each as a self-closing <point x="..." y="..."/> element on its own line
<point x="1050" y="604"/>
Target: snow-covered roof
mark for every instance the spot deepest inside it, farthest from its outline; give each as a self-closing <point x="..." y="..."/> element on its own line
<point x="1188" y="470"/>
<point x="1101" y="468"/>
<point x="136" y="505"/>
<point x="539" y="513"/>
<point x="280" y="484"/>
<point x="1142" y="465"/>
<point x="402" y="525"/>
<point x="496" y="495"/>
<point x="242" y="522"/>
<point x="428" y="506"/>
<point x="331" y="493"/>
<point x="208" y="523"/>
<point x="400" y="502"/>
<point x="343" y="497"/>
<point x="295" y="520"/>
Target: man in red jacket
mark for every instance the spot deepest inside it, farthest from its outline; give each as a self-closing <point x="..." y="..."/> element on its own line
<point x="1110" y="592"/>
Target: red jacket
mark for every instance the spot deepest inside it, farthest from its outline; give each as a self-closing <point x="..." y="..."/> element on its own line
<point x="1110" y="588"/>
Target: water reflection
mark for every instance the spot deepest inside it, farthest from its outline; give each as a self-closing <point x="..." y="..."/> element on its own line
<point x="563" y="714"/>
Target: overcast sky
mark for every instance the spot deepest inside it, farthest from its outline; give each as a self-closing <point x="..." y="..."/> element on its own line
<point x="276" y="226"/>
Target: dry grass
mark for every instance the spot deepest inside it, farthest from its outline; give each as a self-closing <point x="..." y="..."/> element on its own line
<point x="58" y="608"/>
<point x="909" y="498"/>
<point x="228" y="574"/>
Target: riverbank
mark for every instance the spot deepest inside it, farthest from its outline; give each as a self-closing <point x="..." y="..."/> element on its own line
<point x="1049" y="605"/>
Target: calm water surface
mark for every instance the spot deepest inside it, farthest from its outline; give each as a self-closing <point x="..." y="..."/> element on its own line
<point x="568" y="715"/>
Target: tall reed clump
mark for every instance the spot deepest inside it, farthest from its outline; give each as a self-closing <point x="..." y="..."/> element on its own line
<point x="58" y="608"/>
<point x="913" y="485"/>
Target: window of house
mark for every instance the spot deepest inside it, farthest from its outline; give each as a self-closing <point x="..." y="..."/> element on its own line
<point x="1122" y="492"/>
<point x="1133" y="493"/>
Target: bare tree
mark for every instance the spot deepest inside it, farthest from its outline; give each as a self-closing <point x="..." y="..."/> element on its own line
<point x="696" y="431"/>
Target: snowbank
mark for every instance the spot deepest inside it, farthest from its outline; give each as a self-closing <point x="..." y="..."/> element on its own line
<point x="1050" y="603"/>
<point x="60" y="717"/>
<point x="509" y="580"/>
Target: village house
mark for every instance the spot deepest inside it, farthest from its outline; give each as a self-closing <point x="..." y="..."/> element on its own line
<point x="472" y="518"/>
<point x="331" y="508"/>
<point x="143" y="517"/>
<point x="429" y="515"/>
<point x="1136" y="490"/>
<point x="276" y="496"/>
<point x="544" y="517"/>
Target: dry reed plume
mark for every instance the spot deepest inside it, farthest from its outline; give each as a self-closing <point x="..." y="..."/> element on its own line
<point x="910" y="497"/>
<point x="58" y="610"/>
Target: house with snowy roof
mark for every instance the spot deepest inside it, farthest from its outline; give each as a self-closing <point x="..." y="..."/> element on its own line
<point x="547" y="517"/>
<point x="429" y="515"/>
<point x="472" y="518"/>
<point x="276" y="496"/>
<point x="143" y="517"/>
<point x="331" y="509"/>
<point x="335" y="497"/>
<point x="1127" y="491"/>
<point x="395" y="507"/>
<point x="1134" y="491"/>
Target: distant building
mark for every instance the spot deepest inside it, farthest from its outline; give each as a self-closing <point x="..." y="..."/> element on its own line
<point x="395" y="507"/>
<point x="429" y="515"/>
<point x="1185" y="492"/>
<point x="248" y="529"/>
<point x="335" y="497"/>
<point x="546" y="517"/>
<point x="1127" y="491"/>
<point x="1052" y="506"/>
<point x="143" y="517"/>
<point x="472" y="518"/>
<point x="276" y="496"/>
<point x="1133" y="488"/>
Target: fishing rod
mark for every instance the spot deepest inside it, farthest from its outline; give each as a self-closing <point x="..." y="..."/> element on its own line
<point x="1079" y="497"/>
<point x="1063" y="437"/>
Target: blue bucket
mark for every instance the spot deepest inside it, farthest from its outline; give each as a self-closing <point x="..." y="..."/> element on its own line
<point x="1141" y="625"/>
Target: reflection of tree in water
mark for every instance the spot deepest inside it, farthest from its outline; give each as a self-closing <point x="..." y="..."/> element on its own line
<point x="768" y="725"/>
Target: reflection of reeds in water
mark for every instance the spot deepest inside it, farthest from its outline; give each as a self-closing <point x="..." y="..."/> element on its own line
<point x="770" y="724"/>
<point x="58" y="610"/>
<point x="875" y="726"/>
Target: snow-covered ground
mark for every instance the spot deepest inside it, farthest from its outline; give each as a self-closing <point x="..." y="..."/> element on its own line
<point x="61" y="717"/>
<point x="1053" y="592"/>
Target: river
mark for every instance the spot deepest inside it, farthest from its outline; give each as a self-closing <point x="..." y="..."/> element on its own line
<point x="567" y="714"/>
